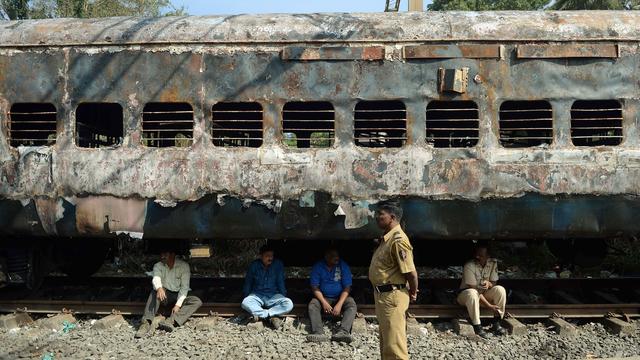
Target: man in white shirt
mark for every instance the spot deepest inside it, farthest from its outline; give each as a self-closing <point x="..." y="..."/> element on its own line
<point x="479" y="288"/>
<point x="170" y="288"/>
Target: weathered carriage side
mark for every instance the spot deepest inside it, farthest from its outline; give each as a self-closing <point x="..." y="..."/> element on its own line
<point x="463" y="181"/>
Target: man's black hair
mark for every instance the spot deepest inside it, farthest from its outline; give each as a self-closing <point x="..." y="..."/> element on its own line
<point x="265" y="248"/>
<point x="480" y="245"/>
<point x="392" y="207"/>
<point x="331" y="248"/>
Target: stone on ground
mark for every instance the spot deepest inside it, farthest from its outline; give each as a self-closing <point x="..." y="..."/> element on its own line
<point x="359" y="326"/>
<point x="207" y="323"/>
<point x="563" y="328"/>
<point x="112" y="321"/>
<point x="462" y="327"/>
<point x="515" y="327"/>
<point x="14" y="321"/>
<point x="258" y="325"/>
<point x="413" y="327"/>
<point x="56" y="322"/>
<point x="618" y="326"/>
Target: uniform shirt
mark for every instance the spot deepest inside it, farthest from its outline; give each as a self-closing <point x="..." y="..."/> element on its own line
<point x="263" y="281"/>
<point x="474" y="274"/>
<point x="331" y="281"/>
<point x="392" y="259"/>
<point x="174" y="279"/>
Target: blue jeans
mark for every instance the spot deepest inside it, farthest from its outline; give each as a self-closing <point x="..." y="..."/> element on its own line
<point x="264" y="306"/>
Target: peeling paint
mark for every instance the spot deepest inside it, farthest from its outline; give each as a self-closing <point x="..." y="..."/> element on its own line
<point x="286" y="191"/>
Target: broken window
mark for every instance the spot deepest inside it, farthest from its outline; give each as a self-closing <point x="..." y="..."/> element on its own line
<point x="308" y="124"/>
<point x="167" y="124"/>
<point x="32" y="124"/>
<point x="380" y="123"/>
<point x="452" y="124"/>
<point x="526" y="123"/>
<point x="98" y="125"/>
<point x="237" y="124"/>
<point x="596" y="123"/>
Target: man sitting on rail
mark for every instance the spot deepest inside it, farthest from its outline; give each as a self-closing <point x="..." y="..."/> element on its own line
<point x="264" y="289"/>
<point x="170" y="288"/>
<point x="331" y="284"/>
<point x="478" y="287"/>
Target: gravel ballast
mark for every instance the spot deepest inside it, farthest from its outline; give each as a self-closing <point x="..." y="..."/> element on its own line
<point x="228" y="340"/>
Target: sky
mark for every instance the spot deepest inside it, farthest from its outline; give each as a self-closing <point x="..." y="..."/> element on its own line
<point x="231" y="7"/>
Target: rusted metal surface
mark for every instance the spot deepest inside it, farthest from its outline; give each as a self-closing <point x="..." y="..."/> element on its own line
<point x="567" y="51"/>
<point x="333" y="53"/>
<point x="452" y="51"/>
<point x="303" y="28"/>
<point x="275" y="191"/>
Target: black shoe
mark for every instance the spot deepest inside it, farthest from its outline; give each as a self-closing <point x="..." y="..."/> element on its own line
<point x="498" y="329"/>
<point x="342" y="336"/>
<point x="480" y="332"/>
<point x="167" y="325"/>
<point x="143" y="330"/>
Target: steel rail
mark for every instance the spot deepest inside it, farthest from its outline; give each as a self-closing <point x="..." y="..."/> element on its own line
<point x="531" y="311"/>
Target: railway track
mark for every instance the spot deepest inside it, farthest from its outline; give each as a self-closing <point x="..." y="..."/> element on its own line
<point x="418" y="311"/>
<point x="528" y="298"/>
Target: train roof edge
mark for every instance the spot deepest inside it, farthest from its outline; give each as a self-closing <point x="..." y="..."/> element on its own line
<point x="329" y="27"/>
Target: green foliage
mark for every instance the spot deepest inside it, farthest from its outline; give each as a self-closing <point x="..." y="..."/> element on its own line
<point x="39" y="9"/>
<point x="492" y="5"/>
<point x="15" y="9"/>
<point x="486" y="5"/>
<point x="596" y="5"/>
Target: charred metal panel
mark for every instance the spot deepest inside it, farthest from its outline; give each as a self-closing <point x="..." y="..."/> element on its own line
<point x="551" y="51"/>
<point x="333" y="53"/>
<point x="319" y="28"/>
<point x="452" y="51"/>
<point x="207" y="191"/>
<point x="223" y="217"/>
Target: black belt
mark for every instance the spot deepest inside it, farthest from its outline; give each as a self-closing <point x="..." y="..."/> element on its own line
<point x="389" y="287"/>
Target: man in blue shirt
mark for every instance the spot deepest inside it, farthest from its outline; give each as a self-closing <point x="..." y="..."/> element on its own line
<point x="264" y="289"/>
<point x="331" y="284"/>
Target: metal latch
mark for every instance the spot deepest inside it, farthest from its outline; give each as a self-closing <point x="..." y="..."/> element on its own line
<point x="455" y="80"/>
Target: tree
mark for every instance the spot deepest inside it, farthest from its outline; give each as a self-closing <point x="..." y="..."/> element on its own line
<point x="596" y="5"/>
<point x="486" y="5"/>
<point x="15" y="9"/>
<point x="492" y="5"/>
<point x="37" y="9"/>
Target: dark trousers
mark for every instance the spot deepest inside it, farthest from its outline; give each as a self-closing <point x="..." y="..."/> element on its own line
<point x="349" y="310"/>
<point x="189" y="306"/>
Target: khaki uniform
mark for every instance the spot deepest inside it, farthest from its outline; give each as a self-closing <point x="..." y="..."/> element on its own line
<point x="473" y="275"/>
<point x="391" y="260"/>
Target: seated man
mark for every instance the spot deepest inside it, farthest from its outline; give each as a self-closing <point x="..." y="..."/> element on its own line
<point x="478" y="287"/>
<point x="264" y="289"/>
<point x="170" y="288"/>
<point x="331" y="284"/>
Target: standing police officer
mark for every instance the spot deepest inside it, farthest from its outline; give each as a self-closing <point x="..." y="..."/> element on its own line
<point x="390" y="270"/>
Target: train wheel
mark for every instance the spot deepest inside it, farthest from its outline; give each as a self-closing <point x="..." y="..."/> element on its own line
<point x="81" y="258"/>
<point x="581" y="252"/>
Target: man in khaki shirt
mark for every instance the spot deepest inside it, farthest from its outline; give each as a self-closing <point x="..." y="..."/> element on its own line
<point x="390" y="271"/>
<point x="478" y="287"/>
<point x="171" y="277"/>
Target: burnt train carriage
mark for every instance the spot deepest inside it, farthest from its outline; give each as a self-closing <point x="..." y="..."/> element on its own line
<point x="506" y="125"/>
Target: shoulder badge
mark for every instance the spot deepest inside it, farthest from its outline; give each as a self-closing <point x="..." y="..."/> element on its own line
<point x="403" y="254"/>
